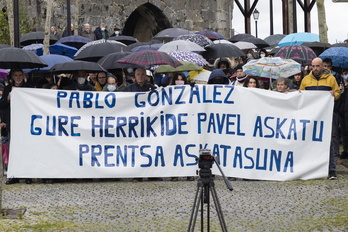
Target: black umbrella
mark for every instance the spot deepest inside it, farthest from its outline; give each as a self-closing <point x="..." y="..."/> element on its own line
<point x="35" y="37"/>
<point x="109" y="61"/>
<point x="273" y="40"/>
<point x="76" y="65"/>
<point x="168" y="34"/>
<point x="222" y="50"/>
<point x="98" y="50"/>
<point x="260" y="43"/>
<point x="75" y="41"/>
<point x="127" y="40"/>
<point x="240" y="37"/>
<point x="340" y="45"/>
<point x="317" y="47"/>
<point x="18" y="58"/>
<point x="299" y="53"/>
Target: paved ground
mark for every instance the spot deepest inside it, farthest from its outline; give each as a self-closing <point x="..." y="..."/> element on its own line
<point x="314" y="205"/>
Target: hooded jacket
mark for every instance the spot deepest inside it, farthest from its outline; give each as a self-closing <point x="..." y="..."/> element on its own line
<point x="218" y="73"/>
<point x="326" y="82"/>
<point x="229" y="61"/>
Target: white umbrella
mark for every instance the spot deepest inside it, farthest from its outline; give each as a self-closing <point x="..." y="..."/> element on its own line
<point x="202" y="78"/>
<point x="181" y="45"/>
<point x="245" y="45"/>
<point x="222" y="41"/>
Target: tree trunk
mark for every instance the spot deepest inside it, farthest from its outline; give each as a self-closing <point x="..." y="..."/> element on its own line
<point x="322" y="21"/>
<point x="46" y="41"/>
<point x="9" y="5"/>
<point x="76" y="17"/>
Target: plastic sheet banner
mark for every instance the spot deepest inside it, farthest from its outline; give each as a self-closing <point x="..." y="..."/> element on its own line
<point x="255" y="134"/>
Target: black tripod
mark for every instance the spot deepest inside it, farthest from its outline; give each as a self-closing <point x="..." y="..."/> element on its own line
<point x="205" y="186"/>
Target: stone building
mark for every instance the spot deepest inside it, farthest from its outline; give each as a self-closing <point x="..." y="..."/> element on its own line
<point x="139" y="18"/>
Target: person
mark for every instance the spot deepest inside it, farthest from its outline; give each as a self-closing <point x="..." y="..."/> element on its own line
<point x="224" y="63"/>
<point x="111" y="84"/>
<point x="335" y="143"/>
<point x="117" y="32"/>
<point x="240" y="76"/>
<point x="4" y="114"/>
<point x="80" y="81"/>
<point x="101" y="32"/>
<point x="343" y="115"/>
<point x="251" y="82"/>
<point x="54" y="32"/>
<point x="87" y="32"/>
<point x="296" y="81"/>
<point x="282" y="85"/>
<point x="179" y="79"/>
<point x="263" y="53"/>
<point x="345" y="41"/>
<point x="17" y="81"/>
<point x="218" y="77"/>
<point x="66" y="33"/>
<point x="149" y="77"/>
<point x="140" y="84"/>
<point x="321" y="79"/>
<point x="101" y="81"/>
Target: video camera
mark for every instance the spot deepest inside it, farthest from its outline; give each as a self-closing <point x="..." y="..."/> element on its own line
<point x="205" y="163"/>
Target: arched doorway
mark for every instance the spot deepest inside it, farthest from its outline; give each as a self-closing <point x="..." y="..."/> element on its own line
<point x="145" y="22"/>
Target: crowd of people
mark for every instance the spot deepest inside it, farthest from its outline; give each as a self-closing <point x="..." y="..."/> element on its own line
<point x="319" y="75"/>
<point x="100" y="32"/>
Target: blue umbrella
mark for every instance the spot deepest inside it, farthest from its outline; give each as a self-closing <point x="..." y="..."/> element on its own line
<point x="34" y="48"/>
<point x="298" y="38"/>
<point x="338" y="55"/>
<point x="62" y="49"/>
<point x="50" y="59"/>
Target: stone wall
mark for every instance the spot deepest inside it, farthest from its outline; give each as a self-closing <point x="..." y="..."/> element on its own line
<point x="141" y="18"/>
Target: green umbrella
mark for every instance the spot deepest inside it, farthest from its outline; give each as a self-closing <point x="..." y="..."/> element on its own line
<point x="186" y="66"/>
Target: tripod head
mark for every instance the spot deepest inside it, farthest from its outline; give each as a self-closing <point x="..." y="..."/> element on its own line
<point x="205" y="163"/>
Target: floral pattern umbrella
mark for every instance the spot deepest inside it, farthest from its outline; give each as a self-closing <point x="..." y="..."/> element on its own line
<point x="149" y="58"/>
<point x="201" y="40"/>
<point x="272" y="67"/>
<point x="338" y="55"/>
<point x="299" y="53"/>
<point x="189" y="57"/>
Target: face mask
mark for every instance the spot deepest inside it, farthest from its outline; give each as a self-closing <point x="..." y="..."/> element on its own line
<point x="117" y="32"/>
<point x="345" y="77"/>
<point x="103" y="29"/>
<point x="179" y="82"/>
<point x="262" y="55"/>
<point x="81" y="80"/>
<point x="111" y="88"/>
<point x="250" y="56"/>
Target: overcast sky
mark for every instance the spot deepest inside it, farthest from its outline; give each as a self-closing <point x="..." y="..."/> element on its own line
<point x="336" y="17"/>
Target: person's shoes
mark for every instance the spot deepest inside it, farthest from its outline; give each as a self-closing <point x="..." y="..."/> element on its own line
<point x="174" y="179"/>
<point x="155" y="179"/>
<point x="332" y="175"/>
<point x="28" y="181"/>
<point x="190" y="178"/>
<point x="12" y="181"/>
<point x="137" y="180"/>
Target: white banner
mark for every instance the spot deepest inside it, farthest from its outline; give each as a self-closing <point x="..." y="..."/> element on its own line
<point x="256" y="134"/>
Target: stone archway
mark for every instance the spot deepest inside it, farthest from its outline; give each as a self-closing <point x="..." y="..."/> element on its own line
<point x="145" y="22"/>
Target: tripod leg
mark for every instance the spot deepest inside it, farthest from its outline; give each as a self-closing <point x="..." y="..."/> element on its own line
<point x="195" y="209"/>
<point x="218" y="209"/>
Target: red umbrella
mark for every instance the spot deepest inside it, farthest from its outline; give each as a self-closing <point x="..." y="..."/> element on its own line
<point x="150" y="58"/>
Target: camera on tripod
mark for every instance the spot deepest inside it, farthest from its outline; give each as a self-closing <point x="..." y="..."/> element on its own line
<point x="205" y="163"/>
